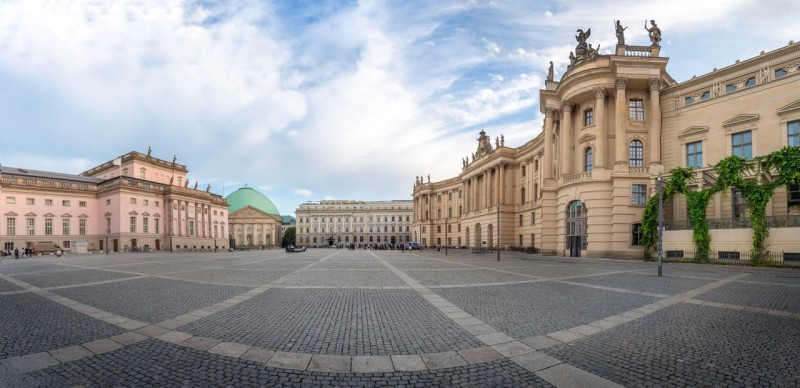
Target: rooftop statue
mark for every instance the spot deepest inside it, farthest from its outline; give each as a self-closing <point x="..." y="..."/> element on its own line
<point x="582" y="36"/>
<point x="621" y="32"/>
<point x="654" y="32"/>
<point x="550" y="72"/>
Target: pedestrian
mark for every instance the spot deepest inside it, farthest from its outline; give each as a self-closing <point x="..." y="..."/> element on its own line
<point x="16" y="253"/>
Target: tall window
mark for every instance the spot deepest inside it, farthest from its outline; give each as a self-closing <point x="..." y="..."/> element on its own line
<point x="31" y="226"/>
<point x="108" y="224"/>
<point x="694" y="155"/>
<point x="588" y="160"/>
<point x="48" y="226"/>
<point x="145" y="224"/>
<point x="740" y="209"/>
<point x="520" y="220"/>
<point x="133" y="224"/>
<point x="11" y="226"/>
<point x="191" y="227"/>
<point x="157" y="226"/>
<point x="638" y="195"/>
<point x="793" y="196"/>
<point x="636" y="235"/>
<point x="793" y="129"/>
<point x="65" y="226"/>
<point x="522" y="196"/>
<point x="82" y="226"/>
<point x="742" y="144"/>
<point x="636" y="109"/>
<point x="636" y="153"/>
<point x="439" y="214"/>
<point x="588" y="117"/>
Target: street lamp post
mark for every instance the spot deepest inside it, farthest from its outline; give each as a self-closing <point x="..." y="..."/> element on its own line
<point x="498" y="232"/>
<point x="660" y="224"/>
<point x="445" y="236"/>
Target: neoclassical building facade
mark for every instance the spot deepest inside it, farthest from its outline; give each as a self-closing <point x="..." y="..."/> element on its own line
<point x="612" y="124"/>
<point x="335" y="222"/>
<point x="132" y="203"/>
<point x="253" y="219"/>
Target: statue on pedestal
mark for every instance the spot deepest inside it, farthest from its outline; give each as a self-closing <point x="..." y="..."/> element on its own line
<point x="654" y="32"/>
<point x="550" y="72"/>
<point x="620" y="32"/>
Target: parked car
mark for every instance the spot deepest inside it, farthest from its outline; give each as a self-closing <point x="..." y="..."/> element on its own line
<point x="413" y="245"/>
<point x="291" y="248"/>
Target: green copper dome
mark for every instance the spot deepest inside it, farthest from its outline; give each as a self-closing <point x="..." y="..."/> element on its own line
<point x="248" y="196"/>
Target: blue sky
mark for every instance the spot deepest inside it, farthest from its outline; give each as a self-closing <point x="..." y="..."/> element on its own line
<point x="310" y="100"/>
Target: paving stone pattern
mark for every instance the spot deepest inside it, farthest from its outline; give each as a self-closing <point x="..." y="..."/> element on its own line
<point x="155" y="363"/>
<point x="30" y="323"/>
<point x="693" y="345"/>
<point x="351" y="322"/>
<point x="330" y="317"/>
<point x="525" y="310"/>
<point x="151" y="299"/>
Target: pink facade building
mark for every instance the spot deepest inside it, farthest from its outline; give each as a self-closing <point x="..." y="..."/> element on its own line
<point x="133" y="203"/>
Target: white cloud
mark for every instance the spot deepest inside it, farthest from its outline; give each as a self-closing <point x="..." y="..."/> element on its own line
<point x="303" y="192"/>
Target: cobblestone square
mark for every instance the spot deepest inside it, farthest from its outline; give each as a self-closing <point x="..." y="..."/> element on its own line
<point x="330" y="317"/>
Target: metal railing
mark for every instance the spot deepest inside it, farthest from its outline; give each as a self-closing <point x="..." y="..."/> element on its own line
<point x="782" y="258"/>
<point x="737" y="223"/>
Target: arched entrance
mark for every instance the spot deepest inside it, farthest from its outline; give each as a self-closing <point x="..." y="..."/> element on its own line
<point x="576" y="228"/>
<point x="478" y="242"/>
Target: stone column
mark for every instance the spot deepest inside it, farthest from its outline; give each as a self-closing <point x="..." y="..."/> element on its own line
<point x="178" y="217"/>
<point x="485" y="189"/>
<point x="502" y="191"/>
<point x="655" y="121"/>
<point x="620" y="157"/>
<point x="567" y="132"/>
<point x="600" y="128"/>
<point x="548" y="143"/>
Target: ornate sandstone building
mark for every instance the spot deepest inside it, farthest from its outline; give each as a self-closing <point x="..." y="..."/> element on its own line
<point x="612" y="124"/>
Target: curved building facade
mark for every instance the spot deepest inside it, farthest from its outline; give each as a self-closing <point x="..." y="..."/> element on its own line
<point x="612" y="123"/>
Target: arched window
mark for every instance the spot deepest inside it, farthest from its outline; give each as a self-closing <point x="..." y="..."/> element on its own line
<point x="522" y="196"/>
<point x="588" y="159"/>
<point x="636" y="154"/>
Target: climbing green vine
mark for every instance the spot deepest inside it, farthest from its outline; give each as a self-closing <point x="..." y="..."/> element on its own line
<point x="755" y="179"/>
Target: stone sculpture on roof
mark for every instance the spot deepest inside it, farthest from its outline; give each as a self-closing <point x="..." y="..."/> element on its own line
<point x="620" y="32"/>
<point x="654" y="32"/>
<point x="484" y="145"/>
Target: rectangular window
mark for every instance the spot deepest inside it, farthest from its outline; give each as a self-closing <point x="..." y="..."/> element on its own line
<point x="133" y="201"/>
<point x="191" y="227"/>
<point x="145" y="202"/>
<point x="750" y="82"/>
<point x="793" y="132"/>
<point x="156" y="225"/>
<point x="730" y="88"/>
<point x="133" y="224"/>
<point x="694" y="155"/>
<point x="29" y="201"/>
<point x="439" y="198"/>
<point x="636" y="235"/>
<point x="742" y="144"/>
<point x="82" y="226"/>
<point x="65" y="203"/>
<point x="65" y="226"/>
<point x="636" y="109"/>
<point x="588" y="117"/>
<point x="108" y="202"/>
<point x="48" y="202"/>
<point x="705" y="96"/>
<point x="638" y="195"/>
<point x="48" y="226"/>
<point x="108" y="224"/>
<point x="145" y="225"/>
<point x="82" y="204"/>
<point x="11" y="226"/>
<point x="780" y="73"/>
<point x="520" y="220"/>
<point x="11" y="200"/>
<point x="156" y="203"/>
<point x="533" y="218"/>
<point x="740" y="208"/>
<point x="31" y="225"/>
<point x="688" y="100"/>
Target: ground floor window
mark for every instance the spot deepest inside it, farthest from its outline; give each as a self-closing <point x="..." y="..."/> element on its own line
<point x="636" y="235"/>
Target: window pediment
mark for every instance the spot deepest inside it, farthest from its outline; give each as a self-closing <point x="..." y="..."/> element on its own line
<point x="108" y="214"/>
<point x="741" y="119"/>
<point x="694" y="130"/>
<point x="30" y="214"/>
<point x="66" y="215"/>
<point x="586" y="137"/>
<point x="11" y="214"/>
<point x="157" y="215"/>
<point x="133" y="213"/>
<point x="83" y="216"/>
<point x="146" y="214"/>
<point x="791" y="108"/>
<point x="49" y="215"/>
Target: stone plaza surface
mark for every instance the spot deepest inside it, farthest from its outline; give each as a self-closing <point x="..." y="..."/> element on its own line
<point x="330" y="317"/>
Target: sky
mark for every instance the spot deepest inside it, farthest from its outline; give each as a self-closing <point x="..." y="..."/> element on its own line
<point x="313" y="100"/>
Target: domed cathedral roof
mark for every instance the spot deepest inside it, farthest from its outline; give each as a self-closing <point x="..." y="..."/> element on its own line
<point x="247" y="196"/>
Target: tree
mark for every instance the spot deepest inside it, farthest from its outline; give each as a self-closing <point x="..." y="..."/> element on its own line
<point x="288" y="237"/>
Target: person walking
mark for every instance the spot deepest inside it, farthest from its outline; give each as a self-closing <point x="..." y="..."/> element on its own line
<point x="16" y="253"/>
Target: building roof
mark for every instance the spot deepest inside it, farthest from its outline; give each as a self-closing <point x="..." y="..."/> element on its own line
<point x="247" y="196"/>
<point x="13" y="171"/>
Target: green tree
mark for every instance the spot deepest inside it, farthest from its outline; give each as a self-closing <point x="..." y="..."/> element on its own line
<point x="288" y="237"/>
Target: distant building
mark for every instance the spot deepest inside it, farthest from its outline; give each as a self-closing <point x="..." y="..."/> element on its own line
<point x="612" y="123"/>
<point x="334" y="222"/>
<point x="286" y="223"/>
<point x="132" y="203"/>
<point x="254" y="220"/>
